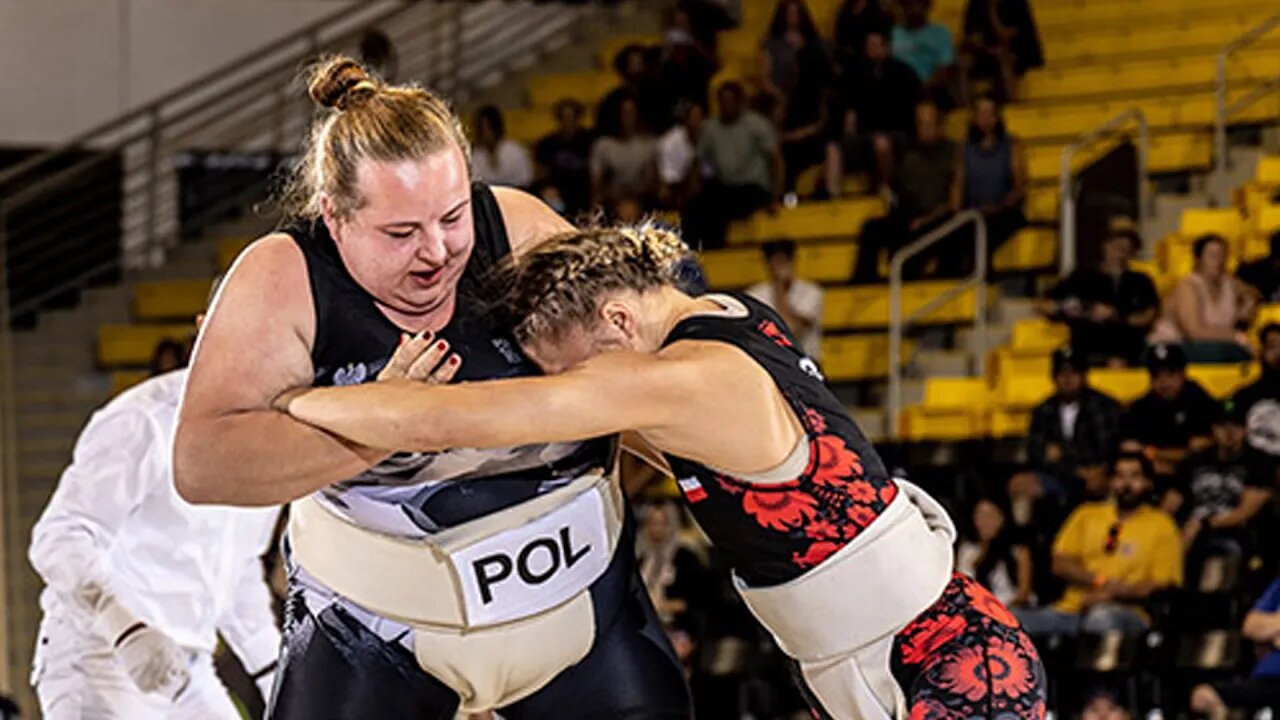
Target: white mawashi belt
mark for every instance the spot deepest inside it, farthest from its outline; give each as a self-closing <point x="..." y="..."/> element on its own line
<point x="499" y="568"/>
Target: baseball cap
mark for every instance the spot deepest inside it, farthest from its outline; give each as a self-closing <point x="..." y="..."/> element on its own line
<point x="1065" y="357"/>
<point x="1165" y="356"/>
<point x="1228" y="411"/>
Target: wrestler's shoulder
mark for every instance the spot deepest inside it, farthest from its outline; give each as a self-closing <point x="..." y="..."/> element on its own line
<point x="528" y="220"/>
<point x="276" y="251"/>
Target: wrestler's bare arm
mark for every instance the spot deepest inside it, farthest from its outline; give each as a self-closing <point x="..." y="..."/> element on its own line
<point x="231" y="447"/>
<point x="695" y="399"/>
<point x="529" y="221"/>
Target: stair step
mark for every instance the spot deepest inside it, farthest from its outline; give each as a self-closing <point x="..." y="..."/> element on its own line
<point x="1010" y="309"/>
<point x="998" y="334"/>
<point x="63" y="420"/>
<point x="943" y="363"/>
<point x="871" y="420"/>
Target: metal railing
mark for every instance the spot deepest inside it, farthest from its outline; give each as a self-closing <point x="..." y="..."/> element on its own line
<point x="1224" y="111"/>
<point x="1067" y="191"/>
<point x="897" y="324"/>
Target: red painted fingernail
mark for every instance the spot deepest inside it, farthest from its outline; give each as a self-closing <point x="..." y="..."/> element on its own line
<point x="442" y="345"/>
<point x="455" y="360"/>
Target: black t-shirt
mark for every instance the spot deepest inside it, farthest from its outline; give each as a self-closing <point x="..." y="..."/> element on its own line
<point x="1128" y="292"/>
<point x="884" y="99"/>
<point x="1152" y="420"/>
<point x="567" y="160"/>
<point x="1263" y="275"/>
<point x="1210" y="485"/>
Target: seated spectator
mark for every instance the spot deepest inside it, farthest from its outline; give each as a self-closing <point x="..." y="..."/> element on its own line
<point x="685" y="68"/>
<point x="1174" y="417"/>
<point x="991" y="177"/>
<point x="1221" y="489"/>
<point x="798" y="301"/>
<point x="739" y="154"/>
<point x="928" y="48"/>
<point x="1109" y="308"/>
<point x="1263" y="274"/>
<point x="495" y="158"/>
<point x="796" y="69"/>
<point x="1259" y="401"/>
<point x="1072" y="433"/>
<point x="879" y="99"/>
<point x="990" y="555"/>
<point x="634" y="67"/>
<point x="707" y="18"/>
<point x="563" y="161"/>
<point x="675" y="577"/>
<point x="1113" y="555"/>
<point x="1001" y="43"/>
<point x="624" y="166"/>
<point x="1103" y="704"/>
<point x="169" y="355"/>
<point x="678" y="153"/>
<point x="854" y="20"/>
<point x="1208" y="310"/>
<point x="1262" y="688"/>
<point x="921" y="199"/>
<point x="379" y="54"/>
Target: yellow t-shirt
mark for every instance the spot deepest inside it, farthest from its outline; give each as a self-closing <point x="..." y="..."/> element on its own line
<point x="1148" y="548"/>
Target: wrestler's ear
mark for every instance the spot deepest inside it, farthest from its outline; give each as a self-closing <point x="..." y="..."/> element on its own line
<point x="330" y="216"/>
<point x="620" y="317"/>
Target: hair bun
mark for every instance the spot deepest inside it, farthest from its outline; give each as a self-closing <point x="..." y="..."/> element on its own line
<point x="341" y="83"/>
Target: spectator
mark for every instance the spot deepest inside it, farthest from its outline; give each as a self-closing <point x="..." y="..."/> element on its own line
<point x="496" y="158"/>
<point x="675" y="577"/>
<point x="1102" y="704"/>
<point x="632" y="63"/>
<point x="798" y="301"/>
<point x="927" y="47"/>
<point x="1263" y="275"/>
<point x="1221" y="489"/>
<point x="1208" y="309"/>
<point x="1109" y="308"/>
<point x="624" y="165"/>
<point x="168" y="356"/>
<point x="1262" y="688"/>
<point x="991" y="177"/>
<point x="1073" y="432"/>
<point x="854" y="20"/>
<point x="684" y="69"/>
<point x="379" y="54"/>
<point x="1174" y="417"/>
<point x="677" y="154"/>
<point x="921" y="198"/>
<point x="879" y="98"/>
<point x="796" y="69"/>
<point x="1001" y="42"/>
<point x="563" y="161"/>
<point x="1113" y="555"/>
<point x="1260" y="401"/>
<point x="707" y="18"/>
<point x="739" y="154"/>
<point x="991" y="556"/>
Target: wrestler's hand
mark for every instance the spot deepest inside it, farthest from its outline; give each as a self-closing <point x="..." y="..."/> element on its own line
<point x="424" y="358"/>
<point x="154" y="662"/>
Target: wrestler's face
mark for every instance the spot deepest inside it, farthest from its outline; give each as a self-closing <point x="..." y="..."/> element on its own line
<point x="409" y="241"/>
<point x="572" y="347"/>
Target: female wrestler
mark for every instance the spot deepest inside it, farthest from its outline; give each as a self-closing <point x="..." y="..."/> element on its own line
<point x="850" y="569"/>
<point x="389" y="237"/>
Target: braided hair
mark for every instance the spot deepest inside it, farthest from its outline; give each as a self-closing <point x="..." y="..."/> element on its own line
<point x="560" y="283"/>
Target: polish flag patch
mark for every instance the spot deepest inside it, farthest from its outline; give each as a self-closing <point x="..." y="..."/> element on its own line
<point x="692" y="489"/>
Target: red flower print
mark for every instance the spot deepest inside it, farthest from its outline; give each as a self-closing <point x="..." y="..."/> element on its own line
<point x="964" y="674"/>
<point x="815" y="554"/>
<point x="1010" y="672"/>
<point x="888" y="492"/>
<point x="832" y="462"/>
<point x="728" y="486"/>
<point x="814" y="421"/>
<point x="987" y="604"/>
<point x="822" y="530"/>
<point x="924" y="636"/>
<point x="780" y="510"/>
<point x="929" y="710"/>
<point x="861" y="491"/>
<point x="770" y="329"/>
<point x="861" y="515"/>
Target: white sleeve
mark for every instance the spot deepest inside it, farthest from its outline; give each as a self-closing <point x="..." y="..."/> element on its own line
<point x="521" y="166"/>
<point x="109" y="478"/>
<point x="249" y="626"/>
<point x="762" y="292"/>
<point x="806" y="300"/>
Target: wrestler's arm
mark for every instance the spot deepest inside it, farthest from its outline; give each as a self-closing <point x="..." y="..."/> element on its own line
<point x="231" y="447"/>
<point x="529" y="221"/>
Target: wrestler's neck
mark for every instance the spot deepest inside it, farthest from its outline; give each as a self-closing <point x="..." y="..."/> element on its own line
<point x="660" y="310"/>
<point x="432" y="319"/>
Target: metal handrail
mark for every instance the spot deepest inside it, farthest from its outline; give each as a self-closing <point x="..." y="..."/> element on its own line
<point x="1221" y="159"/>
<point x="1067" y="195"/>
<point x="8" y="460"/>
<point x="896" y="322"/>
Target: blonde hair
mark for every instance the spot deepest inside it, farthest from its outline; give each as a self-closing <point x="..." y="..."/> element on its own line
<point x="363" y="118"/>
<point x="560" y="283"/>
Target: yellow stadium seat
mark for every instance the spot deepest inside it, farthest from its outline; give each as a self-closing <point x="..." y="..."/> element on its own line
<point x="585" y="87"/>
<point x="808" y="221"/>
<point x="170" y="299"/>
<point x="1008" y="361"/>
<point x="953" y="409"/>
<point x="1163" y="282"/>
<point x="122" y="380"/>
<point x="610" y="47"/>
<point x="1267" y="314"/>
<point x="1256" y="245"/>
<point x="1043" y="204"/>
<point x="847" y="358"/>
<point x="1008" y="422"/>
<point x="132" y="345"/>
<point x="955" y="393"/>
<point x="229" y="249"/>
<point x="1031" y="248"/>
<point x="1267" y="219"/>
<point x="531" y="124"/>
<point x="1022" y="391"/>
<point x="1125" y="385"/>
<point x="1222" y="381"/>
<point x="1268" y="170"/>
<point x="739" y="267"/>
<point x="1200" y="221"/>
<point x="1040" y="335"/>
<point x="867" y="306"/>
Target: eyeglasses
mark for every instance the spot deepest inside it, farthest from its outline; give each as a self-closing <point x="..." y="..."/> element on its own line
<point x="1113" y="539"/>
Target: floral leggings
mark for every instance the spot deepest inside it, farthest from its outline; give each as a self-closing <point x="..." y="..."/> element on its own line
<point x="966" y="657"/>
